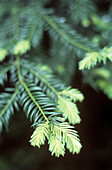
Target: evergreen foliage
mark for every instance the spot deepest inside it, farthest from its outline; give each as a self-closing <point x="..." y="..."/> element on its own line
<point x="33" y="34"/>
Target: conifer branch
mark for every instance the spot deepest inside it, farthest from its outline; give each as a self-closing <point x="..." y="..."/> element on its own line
<point x="6" y="69"/>
<point x="35" y="73"/>
<point x="67" y="107"/>
<point x="44" y="98"/>
<point x="65" y="35"/>
<point x="33" y="28"/>
<point x="26" y="88"/>
<point x="10" y="102"/>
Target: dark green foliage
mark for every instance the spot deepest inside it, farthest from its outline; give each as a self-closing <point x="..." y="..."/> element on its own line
<point x="35" y="103"/>
<point x="33" y="34"/>
<point x="8" y="102"/>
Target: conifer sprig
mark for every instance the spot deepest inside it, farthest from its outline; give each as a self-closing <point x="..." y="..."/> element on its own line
<point x="26" y="29"/>
<point x="58" y="137"/>
<point x="65" y="35"/>
<point x="8" y="101"/>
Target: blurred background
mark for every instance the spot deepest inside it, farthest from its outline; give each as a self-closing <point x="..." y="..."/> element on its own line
<point x="95" y="131"/>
